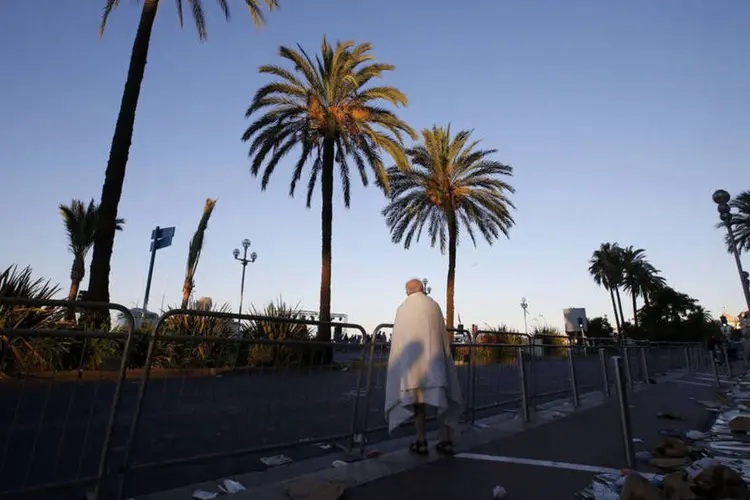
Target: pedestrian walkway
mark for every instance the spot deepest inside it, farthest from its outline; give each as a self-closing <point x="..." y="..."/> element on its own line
<point x="582" y="445"/>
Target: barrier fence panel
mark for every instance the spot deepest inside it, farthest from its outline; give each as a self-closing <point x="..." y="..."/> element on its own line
<point x="61" y="388"/>
<point x="496" y="372"/>
<point x="588" y="368"/>
<point x="549" y="369"/>
<point x="214" y="402"/>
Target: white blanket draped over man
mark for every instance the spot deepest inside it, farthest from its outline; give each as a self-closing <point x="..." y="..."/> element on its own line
<point x="421" y="374"/>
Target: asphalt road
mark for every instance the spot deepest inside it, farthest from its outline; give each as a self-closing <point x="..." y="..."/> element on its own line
<point x="53" y="430"/>
<point x="567" y="440"/>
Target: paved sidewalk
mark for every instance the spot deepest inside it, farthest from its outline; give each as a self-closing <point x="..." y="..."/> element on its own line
<point x="591" y="437"/>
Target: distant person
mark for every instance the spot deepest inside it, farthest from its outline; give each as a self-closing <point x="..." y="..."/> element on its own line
<point x="421" y="374"/>
<point x="714" y="346"/>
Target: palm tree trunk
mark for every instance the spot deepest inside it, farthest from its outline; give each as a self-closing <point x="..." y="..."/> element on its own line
<point x="619" y="304"/>
<point x="614" y="308"/>
<point x="635" y="309"/>
<point x="451" y="281"/>
<point x="326" y="223"/>
<point x="187" y="291"/>
<point x="76" y="276"/>
<point x="118" y="160"/>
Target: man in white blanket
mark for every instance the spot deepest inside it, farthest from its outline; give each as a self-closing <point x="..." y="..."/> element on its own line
<point x="421" y="374"/>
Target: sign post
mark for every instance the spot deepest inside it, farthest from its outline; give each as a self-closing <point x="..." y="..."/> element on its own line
<point x="160" y="238"/>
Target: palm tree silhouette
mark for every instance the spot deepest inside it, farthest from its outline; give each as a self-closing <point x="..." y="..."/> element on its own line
<point x="451" y="187"/>
<point x="640" y="278"/>
<point x="606" y="269"/>
<point x="327" y="109"/>
<point x="114" y="176"/>
<point x="80" y="222"/>
<point x="740" y="222"/>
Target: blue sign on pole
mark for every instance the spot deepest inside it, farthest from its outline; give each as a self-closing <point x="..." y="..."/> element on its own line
<point x="161" y="237"/>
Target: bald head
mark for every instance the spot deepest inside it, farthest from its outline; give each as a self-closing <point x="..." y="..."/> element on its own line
<point x="414" y="286"/>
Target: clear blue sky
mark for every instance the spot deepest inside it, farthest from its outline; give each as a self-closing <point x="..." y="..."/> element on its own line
<point x="620" y="119"/>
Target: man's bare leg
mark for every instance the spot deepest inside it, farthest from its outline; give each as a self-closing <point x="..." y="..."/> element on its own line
<point x="420" y="422"/>
<point x="445" y="434"/>
<point x="445" y="444"/>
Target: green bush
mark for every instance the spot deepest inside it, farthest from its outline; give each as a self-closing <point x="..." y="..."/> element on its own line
<point x="554" y="342"/>
<point x="281" y="355"/>
<point x="32" y="353"/>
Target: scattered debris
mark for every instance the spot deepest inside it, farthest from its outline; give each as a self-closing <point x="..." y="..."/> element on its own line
<point x="204" y="495"/>
<point x="697" y="465"/>
<point x="695" y="435"/>
<point x="276" y="460"/>
<point x="323" y="446"/>
<point x="499" y="492"/>
<point x="230" y="486"/>
<point x="710" y="404"/>
<point x="339" y="463"/>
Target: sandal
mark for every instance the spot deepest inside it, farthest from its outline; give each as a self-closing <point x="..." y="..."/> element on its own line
<point x="419" y="448"/>
<point x="446" y="448"/>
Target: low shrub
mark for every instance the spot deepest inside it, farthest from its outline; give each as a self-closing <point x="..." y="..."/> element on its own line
<point x="301" y="353"/>
<point x="550" y="340"/>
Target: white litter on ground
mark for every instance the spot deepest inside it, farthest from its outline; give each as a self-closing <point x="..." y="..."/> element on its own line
<point x="499" y="492"/>
<point x="204" y="495"/>
<point x="230" y="486"/>
<point x="276" y="460"/>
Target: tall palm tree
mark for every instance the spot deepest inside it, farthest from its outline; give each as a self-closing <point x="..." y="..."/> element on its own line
<point x="194" y="252"/>
<point x="452" y="186"/>
<point x="604" y="267"/>
<point x="740" y="222"/>
<point x="325" y="107"/>
<point x="80" y="222"/>
<point x="651" y="284"/>
<point x="640" y="278"/>
<point x="120" y="148"/>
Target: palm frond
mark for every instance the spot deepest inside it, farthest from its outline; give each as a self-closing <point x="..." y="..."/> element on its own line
<point x="448" y="178"/>
<point x="194" y="251"/>
<point x="739" y="222"/>
<point x="326" y="97"/>
<point x="254" y="7"/>
<point x="109" y="5"/>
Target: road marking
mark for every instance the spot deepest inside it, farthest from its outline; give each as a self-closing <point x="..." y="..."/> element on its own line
<point x="694" y="383"/>
<point x="539" y="463"/>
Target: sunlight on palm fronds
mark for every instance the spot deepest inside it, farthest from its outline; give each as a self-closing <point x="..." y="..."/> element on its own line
<point x="325" y="102"/>
<point x="450" y="180"/>
<point x="194" y="252"/>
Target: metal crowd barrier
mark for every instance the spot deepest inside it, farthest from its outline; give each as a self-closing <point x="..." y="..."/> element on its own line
<point x="222" y="402"/>
<point x="58" y="421"/>
<point x="272" y="395"/>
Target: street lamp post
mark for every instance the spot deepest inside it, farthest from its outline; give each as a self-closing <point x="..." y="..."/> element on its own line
<point x="721" y="198"/>
<point x="525" y="306"/>
<point x="244" y="261"/>
<point x="427" y="289"/>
